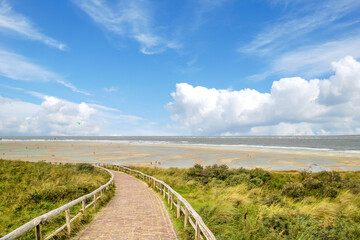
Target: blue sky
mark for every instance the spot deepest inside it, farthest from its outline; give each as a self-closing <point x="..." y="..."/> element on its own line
<point x="206" y="67"/>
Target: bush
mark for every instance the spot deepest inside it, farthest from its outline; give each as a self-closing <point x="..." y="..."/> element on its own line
<point x="311" y="184"/>
<point x="259" y="173"/>
<point x="85" y="167"/>
<point x="330" y="192"/>
<point x="294" y="190"/>
<point x="204" y="175"/>
<point x="329" y="177"/>
<point x="234" y="180"/>
<point x="272" y="199"/>
<point x="256" y="182"/>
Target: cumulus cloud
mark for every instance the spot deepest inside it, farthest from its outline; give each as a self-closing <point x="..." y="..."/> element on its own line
<point x="293" y="106"/>
<point x="55" y="116"/>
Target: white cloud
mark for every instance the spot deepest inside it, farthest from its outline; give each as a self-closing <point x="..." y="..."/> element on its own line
<point x="293" y="106"/>
<point x="312" y="60"/>
<point x="17" y="67"/>
<point x="306" y="18"/>
<point x="110" y="89"/>
<point x="130" y="19"/>
<point x="15" y="22"/>
<point x="55" y="116"/>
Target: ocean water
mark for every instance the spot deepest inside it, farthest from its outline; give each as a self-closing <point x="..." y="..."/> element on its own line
<point x="324" y="143"/>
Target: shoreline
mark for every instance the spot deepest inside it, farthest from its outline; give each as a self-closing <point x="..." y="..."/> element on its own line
<point x="179" y="155"/>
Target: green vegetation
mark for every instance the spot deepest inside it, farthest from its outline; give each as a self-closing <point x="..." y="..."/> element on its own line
<point x="258" y="204"/>
<point x="28" y="190"/>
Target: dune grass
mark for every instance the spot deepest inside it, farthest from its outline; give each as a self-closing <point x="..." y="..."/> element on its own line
<point x="258" y="204"/>
<point x="30" y="189"/>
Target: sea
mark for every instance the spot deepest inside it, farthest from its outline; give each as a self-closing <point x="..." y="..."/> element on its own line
<point x="348" y="143"/>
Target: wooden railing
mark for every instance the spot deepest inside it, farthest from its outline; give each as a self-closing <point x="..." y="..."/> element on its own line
<point x="36" y="222"/>
<point x="175" y="200"/>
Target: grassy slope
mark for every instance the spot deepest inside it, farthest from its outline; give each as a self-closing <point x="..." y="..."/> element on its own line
<point x="28" y="190"/>
<point x="256" y="204"/>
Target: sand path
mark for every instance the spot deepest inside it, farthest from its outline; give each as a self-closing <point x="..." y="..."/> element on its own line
<point x="135" y="212"/>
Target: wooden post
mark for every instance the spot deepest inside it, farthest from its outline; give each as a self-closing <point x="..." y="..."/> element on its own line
<point x="178" y="211"/>
<point x="168" y="195"/>
<point x="38" y="235"/>
<point x="95" y="202"/>
<point x="83" y="206"/>
<point x="67" y="216"/>
<point x="197" y="231"/>
<point x="164" y="191"/>
<point x="171" y="201"/>
<point x="186" y="217"/>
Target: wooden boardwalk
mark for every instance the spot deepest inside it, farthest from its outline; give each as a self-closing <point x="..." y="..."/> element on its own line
<point x="135" y="212"/>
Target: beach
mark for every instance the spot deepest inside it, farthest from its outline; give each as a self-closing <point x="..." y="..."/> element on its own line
<point x="179" y="155"/>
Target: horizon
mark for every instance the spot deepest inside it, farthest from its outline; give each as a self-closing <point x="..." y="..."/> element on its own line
<point x="156" y="68"/>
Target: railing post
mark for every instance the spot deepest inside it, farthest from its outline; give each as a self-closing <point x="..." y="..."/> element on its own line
<point x="197" y="231"/>
<point x="38" y="235"/>
<point x="164" y="191"/>
<point x="186" y="217"/>
<point x="171" y="201"/>
<point x="95" y="202"/>
<point x="178" y="211"/>
<point x="67" y="216"/>
<point x="83" y="209"/>
<point x="168" y="195"/>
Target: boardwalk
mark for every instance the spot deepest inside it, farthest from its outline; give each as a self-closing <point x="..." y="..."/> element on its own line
<point x="135" y="212"/>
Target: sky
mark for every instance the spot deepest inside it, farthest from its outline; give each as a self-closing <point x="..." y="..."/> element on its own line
<point x="156" y="67"/>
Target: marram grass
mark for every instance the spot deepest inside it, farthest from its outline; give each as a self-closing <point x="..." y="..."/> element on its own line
<point x="29" y="189"/>
<point x="258" y="204"/>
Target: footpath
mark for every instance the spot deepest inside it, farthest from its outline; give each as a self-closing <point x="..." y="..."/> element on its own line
<point x="135" y="212"/>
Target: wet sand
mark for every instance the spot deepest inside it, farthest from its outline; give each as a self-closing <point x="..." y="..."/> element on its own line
<point x="178" y="155"/>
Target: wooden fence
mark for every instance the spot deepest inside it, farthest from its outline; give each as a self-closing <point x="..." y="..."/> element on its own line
<point x="175" y="200"/>
<point x="36" y="222"/>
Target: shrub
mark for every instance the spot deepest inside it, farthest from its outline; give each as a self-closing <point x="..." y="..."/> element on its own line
<point x="311" y="184"/>
<point x="260" y="174"/>
<point x="256" y="182"/>
<point x="294" y="190"/>
<point x="272" y="199"/>
<point x="330" y="192"/>
<point x="329" y="177"/>
<point x="234" y="180"/>
<point x="204" y="175"/>
<point x="85" y="167"/>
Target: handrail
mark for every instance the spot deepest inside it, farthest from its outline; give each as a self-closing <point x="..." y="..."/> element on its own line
<point x="36" y="222"/>
<point x="199" y="225"/>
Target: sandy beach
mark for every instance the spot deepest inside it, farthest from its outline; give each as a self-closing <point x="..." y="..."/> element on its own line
<point x="178" y="155"/>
